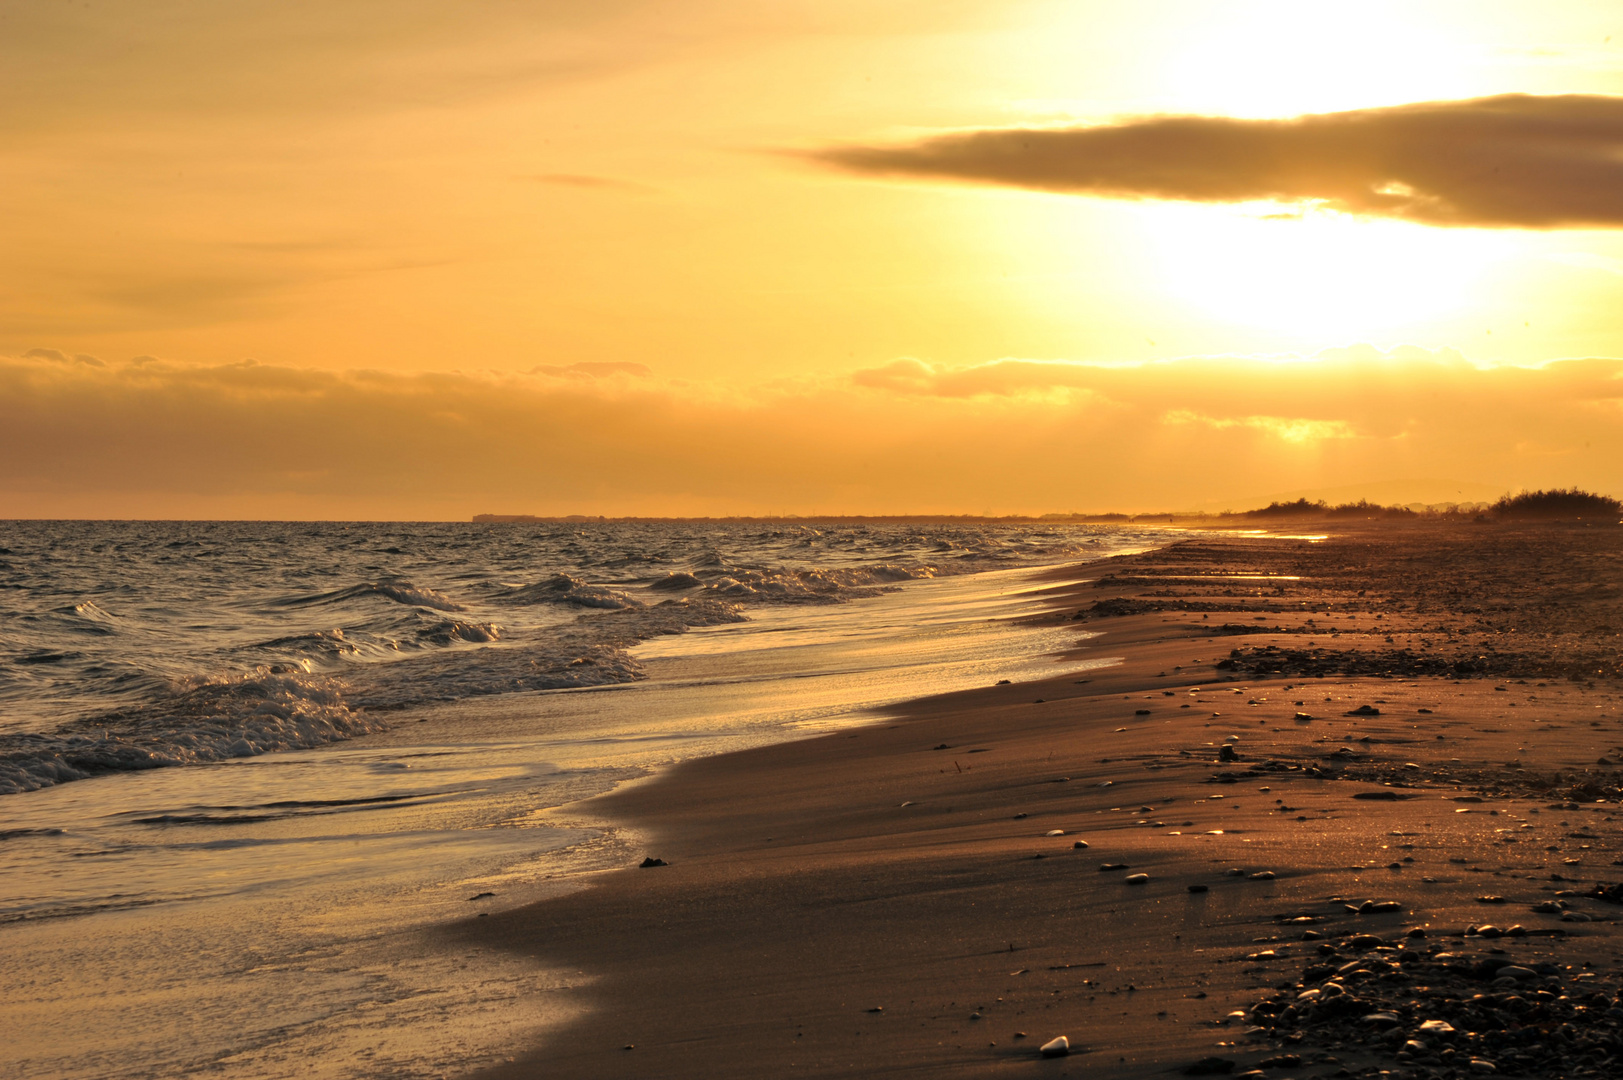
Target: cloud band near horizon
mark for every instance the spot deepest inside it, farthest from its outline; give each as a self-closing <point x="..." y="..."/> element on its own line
<point x="1511" y="161"/>
<point x="150" y="438"/>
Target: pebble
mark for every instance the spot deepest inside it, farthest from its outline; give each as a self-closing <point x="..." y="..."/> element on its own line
<point x="1433" y="1015"/>
<point x="1079" y="844"/>
<point x="1057" y="1047"/>
<point x="1263" y="875"/>
<point x="1137" y="879"/>
<point x="651" y="861"/>
<point x="1055" y="832"/>
<point x="1199" y="888"/>
<point x="1112" y="866"/>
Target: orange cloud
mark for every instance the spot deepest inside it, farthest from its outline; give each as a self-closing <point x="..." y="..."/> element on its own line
<point x="154" y="438"/>
<point x="1515" y="160"/>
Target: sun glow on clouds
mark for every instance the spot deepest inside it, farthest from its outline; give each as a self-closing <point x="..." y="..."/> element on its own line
<point x="155" y="438"/>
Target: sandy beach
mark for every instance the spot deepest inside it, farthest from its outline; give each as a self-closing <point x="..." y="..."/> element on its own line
<point x="1362" y="756"/>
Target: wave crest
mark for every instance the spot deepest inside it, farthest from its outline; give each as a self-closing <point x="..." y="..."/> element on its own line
<point x="214" y="720"/>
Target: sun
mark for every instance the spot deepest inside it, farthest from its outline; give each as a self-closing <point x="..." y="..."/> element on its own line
<point x="1316" y="273"/>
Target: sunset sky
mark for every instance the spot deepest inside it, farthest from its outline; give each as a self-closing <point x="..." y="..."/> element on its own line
<point x="410" y="259"/>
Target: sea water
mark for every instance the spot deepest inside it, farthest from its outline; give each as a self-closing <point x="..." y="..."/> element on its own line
<point x="248" y="767"/>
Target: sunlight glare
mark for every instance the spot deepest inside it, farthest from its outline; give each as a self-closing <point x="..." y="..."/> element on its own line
<point x="1320" y="273"/>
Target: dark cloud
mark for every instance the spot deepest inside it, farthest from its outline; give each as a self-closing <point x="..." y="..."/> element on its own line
<point x="1513" y="161"/>
<point x="61" y="357"/>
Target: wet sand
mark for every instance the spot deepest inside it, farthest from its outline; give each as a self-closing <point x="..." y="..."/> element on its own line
<point x="911" y="898"/>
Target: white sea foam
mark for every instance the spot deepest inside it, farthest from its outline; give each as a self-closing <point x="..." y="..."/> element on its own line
<point x="135" y="645"/>
<point x="214" y="720"/>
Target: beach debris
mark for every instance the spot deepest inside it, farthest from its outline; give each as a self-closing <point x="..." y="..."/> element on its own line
<point x="1055" y="1047"/>
<point x="480" y="896"/>
<point x="905" y="805"/>
<point x="1138" y="879"/>
<point x="1003" y="682"/>
<point x="652" y="862"/>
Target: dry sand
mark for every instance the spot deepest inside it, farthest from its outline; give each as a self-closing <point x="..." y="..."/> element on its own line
<point x="889" y="900"/>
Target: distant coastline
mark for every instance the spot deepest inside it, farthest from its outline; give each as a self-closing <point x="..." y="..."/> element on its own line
<point x="1560" y="504"/>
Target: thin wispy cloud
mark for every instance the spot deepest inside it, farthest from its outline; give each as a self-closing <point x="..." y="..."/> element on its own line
<point x="1512" y="161"/>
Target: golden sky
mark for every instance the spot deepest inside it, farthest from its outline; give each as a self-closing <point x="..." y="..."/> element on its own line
<point x="410" y="259"/>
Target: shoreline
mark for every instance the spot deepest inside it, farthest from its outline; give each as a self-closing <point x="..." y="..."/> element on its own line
<point x="887" y="899"/>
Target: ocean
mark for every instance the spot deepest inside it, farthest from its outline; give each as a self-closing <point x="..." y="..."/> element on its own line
<point x="246" y="768"/>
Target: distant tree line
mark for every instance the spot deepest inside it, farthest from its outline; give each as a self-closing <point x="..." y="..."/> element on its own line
<point x="1558" y="504"/>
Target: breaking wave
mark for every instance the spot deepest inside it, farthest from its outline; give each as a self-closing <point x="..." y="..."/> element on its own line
<point x="307" y="634"/>
<point x="216" y="720"/>
<point x="571" y="590"/>
<point x="401" y="592"/>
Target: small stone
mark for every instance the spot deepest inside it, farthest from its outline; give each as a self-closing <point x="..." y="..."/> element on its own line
<point x="1137" y="879"/>
<point x="1057" y="1047"/>
<point x="1199" y="888"/>
<point x="1112" y="866"/>
<point x="1263" y="875"/>
<point x="1514" y="971"/>
<point x="1282" y="1061"/>
<point x="1055" y="832"/>
<point x="1079" y="845"/>
<point x="1437" y="1028"/>
<point x="1479" y="1065"/>
<point x="651" y="861"/>
<point x="1416" y="932"/>
<point x="1490" y="899"/>
<point x="1381" y="1019"/>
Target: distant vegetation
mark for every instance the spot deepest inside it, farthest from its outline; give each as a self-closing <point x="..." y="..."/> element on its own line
<point x="1561" y="504"/>
<point x="1558" y="504"/>
<point x="1362" y="509"/>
